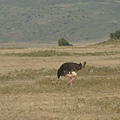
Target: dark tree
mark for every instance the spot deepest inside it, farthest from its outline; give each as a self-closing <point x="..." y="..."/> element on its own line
<point x="115" y="35"/>
<point x="63" y="42"/>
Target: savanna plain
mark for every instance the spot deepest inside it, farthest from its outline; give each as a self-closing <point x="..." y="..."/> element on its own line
<point x="26" y="92"/>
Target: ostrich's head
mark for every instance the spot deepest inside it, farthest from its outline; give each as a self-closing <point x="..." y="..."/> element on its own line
<point x="83" y="64"/>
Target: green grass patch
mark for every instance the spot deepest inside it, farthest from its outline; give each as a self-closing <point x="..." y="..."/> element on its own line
<point x="99" y="71"/>
<point x="46" y="53"/>
<point x="49" y="53"/>
<point x="27" y="74"/>
<point x="43" y="85"/>
<point x="90" y="79"/>
<point x="36" y="73"/>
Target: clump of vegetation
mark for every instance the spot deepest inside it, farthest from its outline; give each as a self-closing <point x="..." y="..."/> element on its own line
<point x="115" y="35"/>
<point x="63" y="42"/>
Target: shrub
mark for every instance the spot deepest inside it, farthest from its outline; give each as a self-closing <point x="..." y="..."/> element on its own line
<point x="115" y="35"/>
<point x="63" y="42"/>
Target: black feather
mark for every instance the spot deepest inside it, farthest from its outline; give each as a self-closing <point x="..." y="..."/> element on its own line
<point x="68" y="68"/>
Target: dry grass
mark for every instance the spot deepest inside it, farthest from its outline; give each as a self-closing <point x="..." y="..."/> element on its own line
<point x="26" y="92"/>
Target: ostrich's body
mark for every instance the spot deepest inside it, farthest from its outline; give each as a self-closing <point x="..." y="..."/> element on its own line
<point x="69" y="69"/>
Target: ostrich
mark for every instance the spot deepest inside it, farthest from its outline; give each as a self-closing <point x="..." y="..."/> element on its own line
<point x="69" y="69"/>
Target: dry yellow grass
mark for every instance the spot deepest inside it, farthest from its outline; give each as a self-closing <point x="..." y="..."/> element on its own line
<point x="66" y="106"/>
<point x="12" y="62"/>
<point x="95" y="94"/>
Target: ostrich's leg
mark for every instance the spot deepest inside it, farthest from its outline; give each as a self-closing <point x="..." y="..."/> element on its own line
<point x="70" y="81"/>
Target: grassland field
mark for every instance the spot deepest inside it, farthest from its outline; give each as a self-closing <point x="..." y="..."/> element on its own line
<point x="26" y="92"/>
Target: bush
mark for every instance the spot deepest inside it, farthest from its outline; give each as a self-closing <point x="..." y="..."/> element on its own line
<point x="115" y="35"/>
<point x="63" y="42"/>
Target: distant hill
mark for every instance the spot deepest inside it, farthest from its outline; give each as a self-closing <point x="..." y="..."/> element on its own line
<point x="45" y="21"/>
